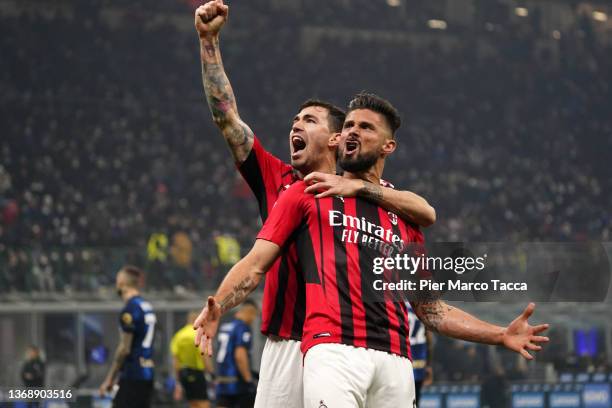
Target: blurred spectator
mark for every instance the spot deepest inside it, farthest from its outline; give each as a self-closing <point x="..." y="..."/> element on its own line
<point x="33" y="371"/>
<point x="181" y="249"/>
<point x="228" y="250"/>
<point x="108" y="141"/>
<point x="494" y="392"/>
<point x="471" y="364"/>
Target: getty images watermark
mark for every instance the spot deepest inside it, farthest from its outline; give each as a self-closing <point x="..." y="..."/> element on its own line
<point x="492" y="272"/>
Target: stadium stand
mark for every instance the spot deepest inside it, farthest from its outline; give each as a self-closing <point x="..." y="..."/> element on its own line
<point x="98" y="153"/>
<point x="108" y="154"/>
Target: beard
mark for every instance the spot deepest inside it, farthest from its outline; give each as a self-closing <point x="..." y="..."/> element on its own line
<point x="120" y="293"/>
<point x="359" y="163"/>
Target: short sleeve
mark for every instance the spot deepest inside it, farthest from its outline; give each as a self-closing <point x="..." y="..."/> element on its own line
<point x="418" y="235"/>
<point x="174" y="347"/>
<point x="417" y="243"/>
<point x="244" y="336"/>
<point x="286" y="216"/>
<point x="127" y="320"/>
<point x="264" y="173"/>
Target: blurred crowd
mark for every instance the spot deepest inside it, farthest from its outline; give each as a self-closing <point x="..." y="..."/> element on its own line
<point x="107" y="141"/>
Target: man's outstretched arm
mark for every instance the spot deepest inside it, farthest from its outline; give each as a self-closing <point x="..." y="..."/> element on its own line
<point x="407" y="205"/>
<point x="453" y="322"/>
<point x="244" y="277"/>
<point x="239" y="282"/>
<point x="209" y="18"/>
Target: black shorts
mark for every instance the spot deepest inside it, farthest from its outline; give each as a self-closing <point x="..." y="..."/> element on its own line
<point x="236" y="401"/>
<point x="194" y="384"/>
<point x="134" y="394"/>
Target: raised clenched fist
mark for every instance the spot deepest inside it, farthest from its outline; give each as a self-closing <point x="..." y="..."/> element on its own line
<point x="210" y="17"/>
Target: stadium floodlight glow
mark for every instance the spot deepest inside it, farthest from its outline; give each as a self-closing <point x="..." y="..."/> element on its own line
<point x="394" y="3"/>
<point x="437" y="24"/>
<point x="521" y="11"/>
<point x="600" y="16"/>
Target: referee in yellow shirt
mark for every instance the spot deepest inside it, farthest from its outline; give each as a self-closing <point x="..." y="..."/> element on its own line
<point x="189" y="366"/>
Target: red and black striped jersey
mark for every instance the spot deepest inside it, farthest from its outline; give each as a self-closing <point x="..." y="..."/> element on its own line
<point x="283" y="305"/>
<point x="337" y="240"/>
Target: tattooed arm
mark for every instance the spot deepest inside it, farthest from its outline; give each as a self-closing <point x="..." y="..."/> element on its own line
<point x="209" y="19"/>
<point x="284" y="219"/>
<point x="429" y="360"/>
<point x="239" y="282"/>
<point x="407" y="205"/>
<point x="453" y="322"/>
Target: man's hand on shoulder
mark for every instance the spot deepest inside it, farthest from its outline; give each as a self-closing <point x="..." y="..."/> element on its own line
<point x="210" y="17"/>
<point x="325" y="185"/>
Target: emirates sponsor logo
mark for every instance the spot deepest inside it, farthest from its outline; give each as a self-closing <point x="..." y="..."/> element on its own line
<point x="361" y="231"/>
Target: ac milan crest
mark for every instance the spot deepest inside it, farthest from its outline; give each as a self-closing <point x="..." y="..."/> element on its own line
<point x="392" y="218"/>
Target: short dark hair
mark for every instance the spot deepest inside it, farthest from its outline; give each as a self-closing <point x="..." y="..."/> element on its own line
<point x="364" y="100"/>
<point x="250" y="302"/>
<point x="335" y="115"/>
<point x="135" y="275"/>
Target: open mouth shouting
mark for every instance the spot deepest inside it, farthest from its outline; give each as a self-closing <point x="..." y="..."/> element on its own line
<point x="350" y="147"/>
<point x="298" y="144"/>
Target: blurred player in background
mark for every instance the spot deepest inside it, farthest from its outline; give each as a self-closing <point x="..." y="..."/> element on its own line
<point x="376" y="370"/>
<point x="283" y="307"/>
<point x="235" y="383"/>
<point x="421" y="348"/>
<point x="133" y="360"/>
<point x="189" y="367"/>
<point x="33" y="371"/>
